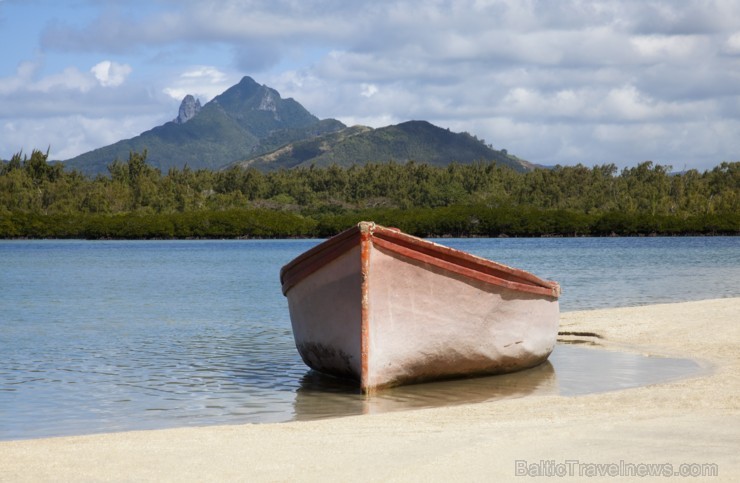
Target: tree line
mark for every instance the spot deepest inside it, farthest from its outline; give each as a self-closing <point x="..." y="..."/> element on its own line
<point x="42" y="200"/>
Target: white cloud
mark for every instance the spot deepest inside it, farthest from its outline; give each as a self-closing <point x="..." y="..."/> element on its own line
<point x="69" y="79"/>
<point x="371" y="121"/>
<point x="368" y="90"/>
<point x="68" y="136"/>
<point x="204" y="82"/>
<point x="27" y="79"/>
<point x="110" y="74"/>
<point x="665" y="47"/>
<point x="70" y="110"/>
<point x="732" y="45"/>
<point x="23" y="75"/>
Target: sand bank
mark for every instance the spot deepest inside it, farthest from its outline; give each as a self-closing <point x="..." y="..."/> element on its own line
<point x="691" y="421"/>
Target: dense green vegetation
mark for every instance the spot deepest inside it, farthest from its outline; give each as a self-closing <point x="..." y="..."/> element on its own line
<point x="39" y="199"/>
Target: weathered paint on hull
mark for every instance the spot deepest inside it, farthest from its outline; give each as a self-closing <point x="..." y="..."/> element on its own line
<point x="385" y="309"/>
<point x="326" y="319"/>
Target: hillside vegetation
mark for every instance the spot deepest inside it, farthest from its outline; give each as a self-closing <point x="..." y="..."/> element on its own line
<point x="39" y="199"/>
<point x="400" y="143"/>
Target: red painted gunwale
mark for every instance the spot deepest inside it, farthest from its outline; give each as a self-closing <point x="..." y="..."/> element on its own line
<point x="424" y="251"/>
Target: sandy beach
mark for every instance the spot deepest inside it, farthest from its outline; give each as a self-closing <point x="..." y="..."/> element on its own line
<point x="691" y="424"/>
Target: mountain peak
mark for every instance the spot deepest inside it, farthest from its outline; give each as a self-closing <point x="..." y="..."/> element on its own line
<point x="245" y="120"/>
<point x="247" y="82"/>
<point x="189" y="107"/>
<point x="245" y="89"/>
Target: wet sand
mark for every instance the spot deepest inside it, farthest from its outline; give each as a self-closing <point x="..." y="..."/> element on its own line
<point x="689" y="421"/>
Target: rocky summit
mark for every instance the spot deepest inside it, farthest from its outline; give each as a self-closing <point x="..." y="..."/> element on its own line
<point x="189" y="107"/>
<point x="246" y="120"/>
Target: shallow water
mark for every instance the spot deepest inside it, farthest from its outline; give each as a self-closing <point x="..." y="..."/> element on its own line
<point x="77" y="398"/>
<point x="110" y="336"/>
<point x="570" y="371"/>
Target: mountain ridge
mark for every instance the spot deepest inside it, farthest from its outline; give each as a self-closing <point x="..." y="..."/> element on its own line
<point x="250" y="124"/>
<point x="419" y="141"/>
<point x="247" y="119"/>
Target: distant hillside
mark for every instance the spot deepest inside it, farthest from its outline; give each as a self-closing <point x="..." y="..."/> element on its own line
<point x="413" y="140"/>
<point x="251" y="125"/>
<point x="247" y="119"/>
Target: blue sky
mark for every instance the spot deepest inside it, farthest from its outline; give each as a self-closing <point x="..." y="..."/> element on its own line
<point x="565" y="82"/>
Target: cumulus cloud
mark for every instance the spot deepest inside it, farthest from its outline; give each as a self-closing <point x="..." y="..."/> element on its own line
<point x="66" y="136"/>
<point x="732" y="45"/>
<point x="110" y="74"/>
<point x="26" y="79"/>
<point x="72" y="111"/>
<point x="23" y="75"/>
<point x="204" y="82"/>
<point x="368" y="90"/>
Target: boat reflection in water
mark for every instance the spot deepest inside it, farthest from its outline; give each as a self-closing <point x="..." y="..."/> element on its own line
<point x="320" y="396"/>
<point x="571" y="370"/>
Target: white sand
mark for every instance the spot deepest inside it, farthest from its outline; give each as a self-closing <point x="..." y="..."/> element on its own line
<point x="688" y="421"/>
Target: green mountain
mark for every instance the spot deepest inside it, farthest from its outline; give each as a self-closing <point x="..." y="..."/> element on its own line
<point x="417" y="141"/>
<point x="251" y="125"/>
<point x="246" y="120"/>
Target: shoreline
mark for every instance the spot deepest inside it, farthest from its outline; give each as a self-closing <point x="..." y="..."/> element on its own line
<point x="688" y="234"/>
<point x="688" y="421"/>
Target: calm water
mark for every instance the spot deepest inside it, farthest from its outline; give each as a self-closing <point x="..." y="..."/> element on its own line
<point x="117" y="335"/>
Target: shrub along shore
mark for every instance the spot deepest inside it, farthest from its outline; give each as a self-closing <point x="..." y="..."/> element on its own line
<point x="41" y="200"/>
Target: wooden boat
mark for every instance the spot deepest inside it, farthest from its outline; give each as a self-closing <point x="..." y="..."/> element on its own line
<point x="385" y="308"/>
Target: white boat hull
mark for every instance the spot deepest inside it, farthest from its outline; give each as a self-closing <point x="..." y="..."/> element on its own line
<point x="391" y="309"/>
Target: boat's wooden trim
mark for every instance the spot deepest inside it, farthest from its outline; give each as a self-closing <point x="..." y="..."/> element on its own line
<point x="462" y="263"/>
<point x="447" y="258"/>
<point x="365" y="308"/>
<point x="315" y="258"/>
